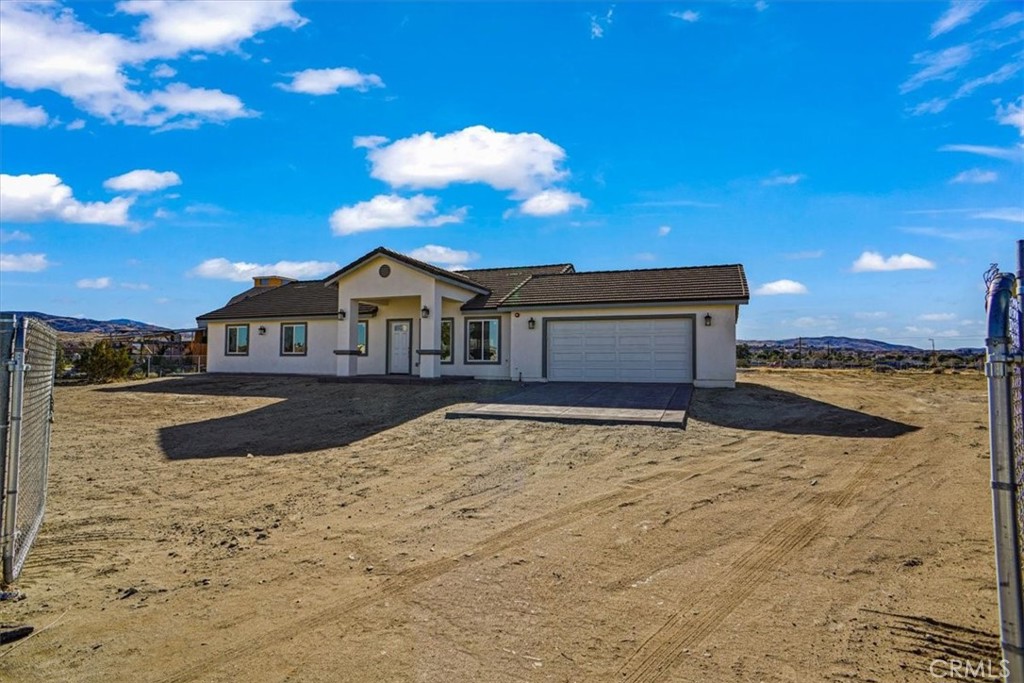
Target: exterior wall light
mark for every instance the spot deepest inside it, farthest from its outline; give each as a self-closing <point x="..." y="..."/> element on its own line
<point x="707" y="320"/>
<point x="425" y="312"/>
<point x="341" y="314"/>
<point x="261" y="329"/>
<point x="531" y="323"/>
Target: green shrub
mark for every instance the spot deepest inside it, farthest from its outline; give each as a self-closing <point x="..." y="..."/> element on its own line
<point x="104" y="363"/>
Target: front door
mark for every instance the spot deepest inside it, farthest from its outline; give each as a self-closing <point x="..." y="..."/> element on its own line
<point x="399" y="347"/>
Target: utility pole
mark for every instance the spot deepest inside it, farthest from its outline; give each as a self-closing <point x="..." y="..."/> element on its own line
<point x="935" y="363"/>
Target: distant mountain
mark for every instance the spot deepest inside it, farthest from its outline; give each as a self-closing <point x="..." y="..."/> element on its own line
<point x="833" y="343"/>
<point x="63" y="323"/>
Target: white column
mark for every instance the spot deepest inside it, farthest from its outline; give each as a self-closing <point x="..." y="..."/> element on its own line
<point x="430" y="335"/>
<point x="346" y="351"/>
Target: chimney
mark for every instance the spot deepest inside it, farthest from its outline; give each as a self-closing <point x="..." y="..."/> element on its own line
<point x="271" y="280"/>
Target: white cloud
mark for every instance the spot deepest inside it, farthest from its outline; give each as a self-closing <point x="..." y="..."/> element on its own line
<point x="791" y="179"/>
<point x="329" y="81"/>
<point x="171" y="28"/>
<point x="368" y="141"/>
<point x="872" y="261"/>
<point x="598" y="24"/>
<point x="14" y="236"/>
<point x="523" y="162"/>
<point x="1010" y="19"/>
<point x="136" y="286"/>
<point x="164" y="71"/>
<point x="664" y="230"/>
<point x="932" y="106"/>
<point x="391" y="211"/>
<point x="240" y="271"/>
<point x="689" y="16"/>
<point x="17" y="113"/>
<point x="936" y="317"/>
<point x="645" y="256"/>
<point x="443" y="256"/>
<point x="23" y="263"/>
<point x="1010" y="214"/>
<point x="1000" y="75"/>
<point x="33" y="198"/>
<point x="1007" y="153"/>
<point x="975" y="176"/>
<point x="781" y="287"/>
<point x="959" y="12"/>
<point x="819" y="322"/>
<point x="94" y="283"/>
<point x="1012" y="115"/>
<point x="937" y="66"/>
<point x="43" y="46"/>
<point x="142" y="180"/>
<point x="551" y="203"/>
<point x="953" y="235"/>
<point x="761" y="5"/>
<point x="870" y="315"/>
<point x="182" y="106"/>
<point x="77" y="124"/>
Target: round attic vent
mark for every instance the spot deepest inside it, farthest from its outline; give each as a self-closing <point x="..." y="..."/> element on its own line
<point x="384" y="270"/>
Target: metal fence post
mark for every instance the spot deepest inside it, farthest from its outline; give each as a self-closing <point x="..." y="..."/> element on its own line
<point x="999" y="370"/>
<point x="14" y="451"/>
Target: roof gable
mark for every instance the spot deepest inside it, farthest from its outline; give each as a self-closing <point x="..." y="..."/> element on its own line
<point x="432" y="270"/>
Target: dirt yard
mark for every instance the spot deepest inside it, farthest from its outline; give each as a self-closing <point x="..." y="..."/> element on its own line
<point x="807" y="526"/>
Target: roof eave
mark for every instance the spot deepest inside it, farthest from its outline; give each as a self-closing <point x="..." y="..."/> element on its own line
<point x="729" y="301"/>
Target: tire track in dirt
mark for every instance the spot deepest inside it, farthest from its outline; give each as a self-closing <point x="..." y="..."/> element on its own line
<point x="661" y="652"/>
<point x="632" y="491"/>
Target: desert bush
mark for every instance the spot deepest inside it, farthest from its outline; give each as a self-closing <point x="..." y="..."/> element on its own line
<point x="103" y="363"/>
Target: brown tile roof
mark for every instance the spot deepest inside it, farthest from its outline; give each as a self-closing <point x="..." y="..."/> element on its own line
<point x="432" y="269"/>
<point x="697" y="283"/>
<point x="547" y="285"/>
<point x="503" y="281"/>
<point x="252" y="291"/>
<point x="298" y="299"/>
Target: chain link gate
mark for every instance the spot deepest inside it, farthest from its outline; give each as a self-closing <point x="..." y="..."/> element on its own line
<point x="28" y="351"/>
<point x="1005" y="371"/>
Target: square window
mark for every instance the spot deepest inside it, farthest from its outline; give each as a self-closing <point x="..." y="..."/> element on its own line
<point x="293" y="339"/>
<point x="482" y="340"/>
<point x="237" y="340"/>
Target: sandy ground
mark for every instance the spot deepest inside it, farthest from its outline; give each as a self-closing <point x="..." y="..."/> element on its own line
<point x="808" y="526"/>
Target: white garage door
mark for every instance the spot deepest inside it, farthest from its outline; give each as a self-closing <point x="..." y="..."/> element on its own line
<point x="627" y="350"/>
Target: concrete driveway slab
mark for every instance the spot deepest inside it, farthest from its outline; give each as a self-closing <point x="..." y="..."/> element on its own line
<point x="607" y="403"/>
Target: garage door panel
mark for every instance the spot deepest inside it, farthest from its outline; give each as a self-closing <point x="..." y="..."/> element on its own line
<point x="629" y="350"/>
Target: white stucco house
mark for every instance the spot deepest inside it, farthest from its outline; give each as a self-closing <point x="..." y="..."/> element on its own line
<point x="388" y="314"/>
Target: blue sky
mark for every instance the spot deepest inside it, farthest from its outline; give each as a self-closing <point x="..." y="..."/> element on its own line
<point x="862" y="160"/>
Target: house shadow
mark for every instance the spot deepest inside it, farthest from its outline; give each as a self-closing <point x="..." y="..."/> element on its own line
<point x="760" y="408"/>
<point x="305" y="415"/>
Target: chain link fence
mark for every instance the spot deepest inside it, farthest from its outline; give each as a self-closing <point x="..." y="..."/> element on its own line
<point x="1005" y="372"/>
<point x="29" y="355"/>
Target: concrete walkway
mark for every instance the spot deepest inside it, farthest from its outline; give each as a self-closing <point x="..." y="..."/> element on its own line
<point x="606" y="403"/>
